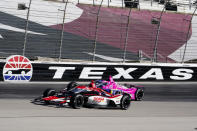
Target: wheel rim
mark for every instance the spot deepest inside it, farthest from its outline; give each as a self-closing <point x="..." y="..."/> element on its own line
<point x="126" y="103"/>
<point x="79" y="102"/>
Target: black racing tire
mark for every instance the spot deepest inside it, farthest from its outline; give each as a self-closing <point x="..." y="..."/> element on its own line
<point x="125" y="102"/>
<point x="71" y="85"/>
<point x="49" y="92"/>
<point x="139" y="94"/>
<point x="77" y="101"/>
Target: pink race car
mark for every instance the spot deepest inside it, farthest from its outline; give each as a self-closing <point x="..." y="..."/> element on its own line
<point x="136" y="92"/>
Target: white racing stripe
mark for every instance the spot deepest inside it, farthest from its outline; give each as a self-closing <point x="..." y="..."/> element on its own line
<point x="108" y="58"/>
<point x="43" y="12"/>
<point x="7" y="27"/>
<point x="1" y="37"/>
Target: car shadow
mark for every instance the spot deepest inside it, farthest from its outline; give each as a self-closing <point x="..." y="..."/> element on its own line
<point x="39" y="103"/>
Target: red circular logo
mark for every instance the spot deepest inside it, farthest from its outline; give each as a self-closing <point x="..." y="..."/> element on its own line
<point x="17" y="68"/>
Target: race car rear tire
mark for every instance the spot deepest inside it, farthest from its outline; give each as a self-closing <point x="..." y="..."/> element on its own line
<point x="71" y="85"/>
<point x="125" y="102"/>
<point x="49" y="92"/>
<point x="77" y="101"/>
<point x="139" y="94"/>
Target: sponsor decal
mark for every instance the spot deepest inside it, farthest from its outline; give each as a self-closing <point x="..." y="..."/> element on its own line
<point x="17" y="69"/>
<point x="120" y="73"/>
<point x="98" y="99"/>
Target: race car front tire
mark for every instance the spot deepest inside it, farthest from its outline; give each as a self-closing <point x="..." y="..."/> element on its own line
<point x="49" y="92"/>
<point x="125" y="102"/>
<point x="77" y="101"/>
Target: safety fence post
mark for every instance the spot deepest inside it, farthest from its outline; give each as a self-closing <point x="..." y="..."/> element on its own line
<point x="62" y="33"/>
<point x="157" y="37"/>
<point x="95" y="39"/>
<point x="190" y="4"/>
<point x="190" y="24"/>
<point x="26" y="26"/>
<point x="140" y="55"/>
<point x="126" y="38"/>
<point x="93" y="2"/>
<point x="108" y="3"/>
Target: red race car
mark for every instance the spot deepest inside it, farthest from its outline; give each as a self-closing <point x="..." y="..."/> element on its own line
<point x="77" y="96"/>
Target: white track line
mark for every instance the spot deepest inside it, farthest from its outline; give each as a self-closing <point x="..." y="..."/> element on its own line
<point x="7" y="27"/>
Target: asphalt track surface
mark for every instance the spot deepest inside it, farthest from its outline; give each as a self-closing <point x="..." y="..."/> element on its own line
<point x="166" y="107"/>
